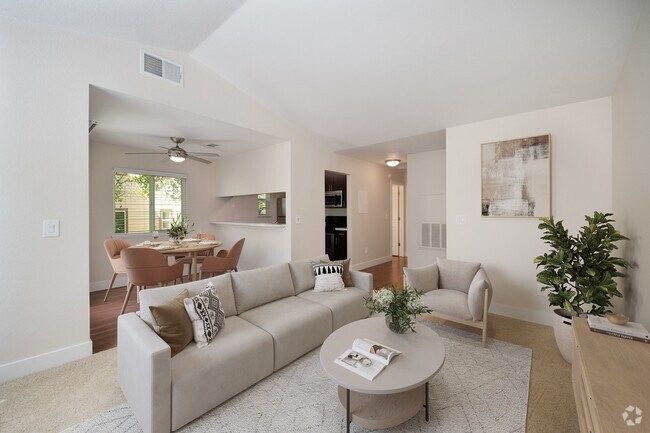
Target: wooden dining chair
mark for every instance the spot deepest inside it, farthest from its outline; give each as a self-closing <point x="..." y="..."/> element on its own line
<point x="147" y="267"/>
<point x="223" y="262"/>
<point x="113" y="249"/>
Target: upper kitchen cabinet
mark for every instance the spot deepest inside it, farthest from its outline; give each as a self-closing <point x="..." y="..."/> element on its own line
<point x="335" y="189"/>
<point x="335" y="181"/>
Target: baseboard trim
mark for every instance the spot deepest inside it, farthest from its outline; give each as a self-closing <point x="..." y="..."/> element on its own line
<point x="526" y="314"/>
<point x="370" y="263"/>
<point x="96" y="286"/>
<point x="23" y="367"/>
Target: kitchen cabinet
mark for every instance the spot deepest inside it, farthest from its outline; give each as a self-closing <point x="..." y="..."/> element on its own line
<point x="340" y="245"/>
<point x="335" y="181"/>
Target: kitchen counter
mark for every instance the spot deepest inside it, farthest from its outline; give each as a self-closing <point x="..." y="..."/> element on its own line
<point x="256" y="225"/>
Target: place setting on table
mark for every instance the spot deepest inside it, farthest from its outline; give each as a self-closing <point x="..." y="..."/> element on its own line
<point x="190" y="246"/>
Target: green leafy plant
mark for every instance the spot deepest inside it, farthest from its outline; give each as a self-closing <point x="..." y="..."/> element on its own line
<point x="580" y="269"/>
<point x="179" y="227"/>
<point x="400" y="307"/>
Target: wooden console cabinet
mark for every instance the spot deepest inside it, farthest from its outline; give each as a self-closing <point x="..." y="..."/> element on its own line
<point x="609" y="375"/>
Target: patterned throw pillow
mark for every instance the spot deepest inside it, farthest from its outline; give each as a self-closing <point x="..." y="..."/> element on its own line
<point x="347" y="278"/>
<point x="207" y="315"/>
<point x="328" y="277"/>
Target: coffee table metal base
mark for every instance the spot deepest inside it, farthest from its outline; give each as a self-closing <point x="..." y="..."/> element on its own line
<point x="383" y="410"/>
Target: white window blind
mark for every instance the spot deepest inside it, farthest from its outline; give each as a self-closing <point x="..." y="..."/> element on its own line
<point x="144" y="202"/>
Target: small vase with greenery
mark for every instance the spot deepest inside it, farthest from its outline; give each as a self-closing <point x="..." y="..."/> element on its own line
<point x="580" y="269"/>
<point x="400" y="307"/>
<point x="179" y="227"/>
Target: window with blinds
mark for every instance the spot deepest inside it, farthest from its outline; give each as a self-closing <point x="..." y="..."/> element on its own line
<point x="144" y="202"/>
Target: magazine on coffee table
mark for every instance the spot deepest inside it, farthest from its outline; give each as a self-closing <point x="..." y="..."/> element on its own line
<point x="367" y="358"/>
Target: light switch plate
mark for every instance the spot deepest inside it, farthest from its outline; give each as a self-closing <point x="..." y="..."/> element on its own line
<point x="50" y="228"/>
<point x="461" y="220"/>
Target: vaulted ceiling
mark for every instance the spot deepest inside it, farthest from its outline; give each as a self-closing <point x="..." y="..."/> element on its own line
<point x="356" y="73"/>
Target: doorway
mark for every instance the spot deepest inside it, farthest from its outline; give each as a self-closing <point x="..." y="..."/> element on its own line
<point x="398" y="241"/>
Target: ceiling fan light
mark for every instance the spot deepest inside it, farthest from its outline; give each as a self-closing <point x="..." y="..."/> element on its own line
<point x="177" y="158"/>
<point x="393" y="162"/>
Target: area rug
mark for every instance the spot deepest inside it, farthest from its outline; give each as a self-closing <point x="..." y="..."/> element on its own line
<point x="477" y="390"/>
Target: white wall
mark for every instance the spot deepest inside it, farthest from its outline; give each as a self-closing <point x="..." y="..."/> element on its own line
<point x="581" y="137"/>
<point x="631" y="156"/>
<point x="368" y="234"/>
<point x="264" y="246"/>
<point x="103" y="158"/>
<point x="425" y="188"/>
<point x="267" y="169"/>
<point x="45" y="75"/>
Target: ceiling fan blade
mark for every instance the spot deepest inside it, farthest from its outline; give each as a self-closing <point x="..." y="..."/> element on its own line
<point x="144" y="153"/>
<point x="162" y="147"/>
<point x="196" y="158"/>
<point x="206" y="154"/>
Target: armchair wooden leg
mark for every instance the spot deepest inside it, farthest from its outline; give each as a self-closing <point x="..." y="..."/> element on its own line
<point x="109" y="286"/>
<point x="126" y="298"/>
<point x="486" y="300"/>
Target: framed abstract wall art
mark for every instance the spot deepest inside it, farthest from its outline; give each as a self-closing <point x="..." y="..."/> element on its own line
<point x="516" y="177"/>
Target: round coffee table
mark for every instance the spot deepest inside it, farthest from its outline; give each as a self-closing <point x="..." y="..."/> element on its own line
<point x="401" y="389"/>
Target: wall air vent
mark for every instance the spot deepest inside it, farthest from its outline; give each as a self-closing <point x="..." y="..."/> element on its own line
<point x="433" y="235"/>
<point x="151" y="64"/>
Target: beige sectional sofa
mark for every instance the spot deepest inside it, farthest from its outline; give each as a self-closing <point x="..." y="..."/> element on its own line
<point x="273" y="316"/>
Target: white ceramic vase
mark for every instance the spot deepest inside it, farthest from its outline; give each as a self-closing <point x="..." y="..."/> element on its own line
<point x="562" y="328"/>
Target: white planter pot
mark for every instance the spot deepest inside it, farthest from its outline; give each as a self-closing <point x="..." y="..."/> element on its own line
<point x="562" y="321"/>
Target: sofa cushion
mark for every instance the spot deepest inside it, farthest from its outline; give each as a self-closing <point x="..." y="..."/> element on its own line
<point x="450" y="302"/>
<point x="346" y="306"/>
<point x="238" y="357"/>
<point x="302" y="273"/>
<point x="347" y="278"/>
<point x="172" y="322"/>
<point x="160" y="295"/>
<point x="424" y="279"/>
<point x="476" y="295"/>
<point x="207" y="316"/>
<point x="329" y="283"/>
<point x="328" y="276"/>
<point x="296" y="325"/>
<point x="456" y="275"/>
<point x="261" y="286"/>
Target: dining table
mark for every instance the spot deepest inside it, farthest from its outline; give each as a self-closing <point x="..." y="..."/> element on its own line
<point x="188" y="247"/>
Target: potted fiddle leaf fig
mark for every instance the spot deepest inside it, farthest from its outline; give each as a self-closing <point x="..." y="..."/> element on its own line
<point x="579" y="272"/>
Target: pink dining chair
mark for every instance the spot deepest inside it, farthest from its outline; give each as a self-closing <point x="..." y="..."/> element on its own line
<point x="147" y="267"/>
<point x="224" y="261"/>
<point x="200" y="256"/>
<point x="113" y="249"/>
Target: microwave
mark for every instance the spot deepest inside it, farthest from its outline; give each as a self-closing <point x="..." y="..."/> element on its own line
<point x="334" y="199"/>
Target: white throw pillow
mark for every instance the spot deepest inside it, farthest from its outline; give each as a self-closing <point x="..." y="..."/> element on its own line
<point x="207" y="315"/>
<point x="329" y="283"/>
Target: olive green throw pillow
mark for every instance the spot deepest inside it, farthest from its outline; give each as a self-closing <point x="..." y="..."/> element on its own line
<point x="347" y="278"/>
<point x="173" y="324"/>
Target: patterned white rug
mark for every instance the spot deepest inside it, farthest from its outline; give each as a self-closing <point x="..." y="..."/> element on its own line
<point x="477" y="390"/>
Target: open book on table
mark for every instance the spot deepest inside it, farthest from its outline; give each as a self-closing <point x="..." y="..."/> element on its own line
<point x="366" y="358"/>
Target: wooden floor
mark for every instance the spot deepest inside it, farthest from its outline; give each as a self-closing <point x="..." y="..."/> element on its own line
<point x="103" y="315"/>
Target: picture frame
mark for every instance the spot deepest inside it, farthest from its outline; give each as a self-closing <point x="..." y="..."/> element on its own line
<point x="516" y="178"/>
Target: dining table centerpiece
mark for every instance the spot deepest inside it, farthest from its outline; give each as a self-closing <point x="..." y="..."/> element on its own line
<point x="399" y="306"/>
<point x="179" y="227"/>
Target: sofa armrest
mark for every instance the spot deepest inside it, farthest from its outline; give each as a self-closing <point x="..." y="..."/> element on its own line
<point x="479" y="287"/>
<point x="362" y="280"/>
<point x="144" y="373"/>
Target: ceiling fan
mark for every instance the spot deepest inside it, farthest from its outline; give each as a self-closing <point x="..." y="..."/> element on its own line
<point x="177" y="153"/>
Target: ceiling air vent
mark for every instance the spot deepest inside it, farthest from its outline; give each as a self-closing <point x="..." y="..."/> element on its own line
<point x="153" y="65"/>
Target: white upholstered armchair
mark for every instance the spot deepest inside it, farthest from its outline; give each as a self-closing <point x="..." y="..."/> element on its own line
<point x="456" y="291"/>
